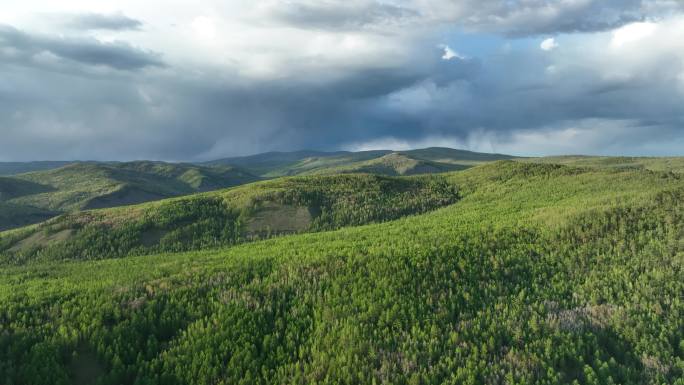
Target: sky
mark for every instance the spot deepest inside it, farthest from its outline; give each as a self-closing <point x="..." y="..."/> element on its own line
<point x="184" y="80"/>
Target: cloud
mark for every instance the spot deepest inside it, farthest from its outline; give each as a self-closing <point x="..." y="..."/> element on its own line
<point x="245" y="77"/>
<point x="204" y="27"/>
<point x="513" y="18"/>
<point x="96" y="21"/>
<point x="632" y="33"/>
<point x="334" y="15"/>
<point x="548" y="44"/>
<point x="19" y="46"/>
<point x="538" y="17"/>
<point x="451" y="54"/>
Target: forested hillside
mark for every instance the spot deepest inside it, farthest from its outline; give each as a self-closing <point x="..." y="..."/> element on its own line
<point x="261" y="210"/>
<point x="383" y="162"/>
<point x="13" y="168"/>
<point x="392" y="164"/>
<point x="95" y="185"/>
<point x="276" y="164"/>
<point x="62" y="187"/>
<point x="538" y="274"/>
<point x="671" y="164"/>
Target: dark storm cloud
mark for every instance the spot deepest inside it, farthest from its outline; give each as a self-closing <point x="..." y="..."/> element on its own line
<point x="509" y="17"/>
<point x="21" y="46"/>
<point x="175" y="117"/>
<point x="326" y="15"/>
<point x="198" y="113"/>
<point x="96" y="21"/>
<point x="534" y="17"/>
<point x="451" y="99"/>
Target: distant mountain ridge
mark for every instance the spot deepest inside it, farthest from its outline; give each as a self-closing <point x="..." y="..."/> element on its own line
<point x="282" y="163"/>
<point x="63" y="187"/>
<point x="274" y="164"/>
<point x="33" y="197"/>
<point x="13" y="168"/>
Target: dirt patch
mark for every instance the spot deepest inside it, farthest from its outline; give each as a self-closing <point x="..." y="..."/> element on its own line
<point x="594" y="317"/>
<point x="40" y="238"/>
<point x="274" y="218"/>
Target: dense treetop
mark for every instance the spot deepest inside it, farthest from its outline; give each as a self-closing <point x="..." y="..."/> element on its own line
<point x="538" y="274"/>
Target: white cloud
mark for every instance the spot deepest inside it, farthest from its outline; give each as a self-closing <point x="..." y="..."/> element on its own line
<point x="450" y="53"/>
<point x="6" y="17"/>
<point x="632" y="33"/>
<point x="549" y="44"/>
<point x="641" y="53"/>
<point x="395" y="144"/>
<point x="204" y="28"/>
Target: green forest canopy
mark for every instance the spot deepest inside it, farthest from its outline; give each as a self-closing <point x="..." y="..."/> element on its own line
<point x="539" y="274"/>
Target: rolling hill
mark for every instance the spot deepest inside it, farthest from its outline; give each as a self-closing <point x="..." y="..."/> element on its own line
<point x="669" y="164"/>
<point x="81" y="186"/>
<point x="226" y="217"/>
<point x="33" y="197"/>
<point x="36" y="196"/>
<point x="275" y="164"/>
<point x="13" y="168"/>
<point x="455" y="156"/>
<point x="391" y="164"/>
<point x="537" y="274"/>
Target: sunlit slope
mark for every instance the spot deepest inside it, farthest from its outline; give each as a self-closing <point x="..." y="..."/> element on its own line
<point x="540" y="274"/>
<point x="673" y="164"/>
<point x="391" y="164"/>
<point x="275" y="164"/>
<point x="95" y="185"/>
<point x="245" y="213"/>
<point x="61" y="187"/>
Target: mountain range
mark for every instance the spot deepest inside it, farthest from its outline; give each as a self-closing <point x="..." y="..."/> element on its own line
<point x="61" y="187"/>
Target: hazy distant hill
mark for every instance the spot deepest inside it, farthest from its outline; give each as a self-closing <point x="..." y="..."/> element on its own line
<point x="57" y="187"/>
<point x="392" y="164"/>
<point x="274" y="164"/>
<point x="12" y="168"/>
<point x="451" y="155"/>
<point x="95" y="185"/>
<point x="64" y="187"/>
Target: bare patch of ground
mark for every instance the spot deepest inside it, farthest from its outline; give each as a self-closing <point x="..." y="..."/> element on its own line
<point x="274" y="218"/>
<point x="594" y="317"/>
